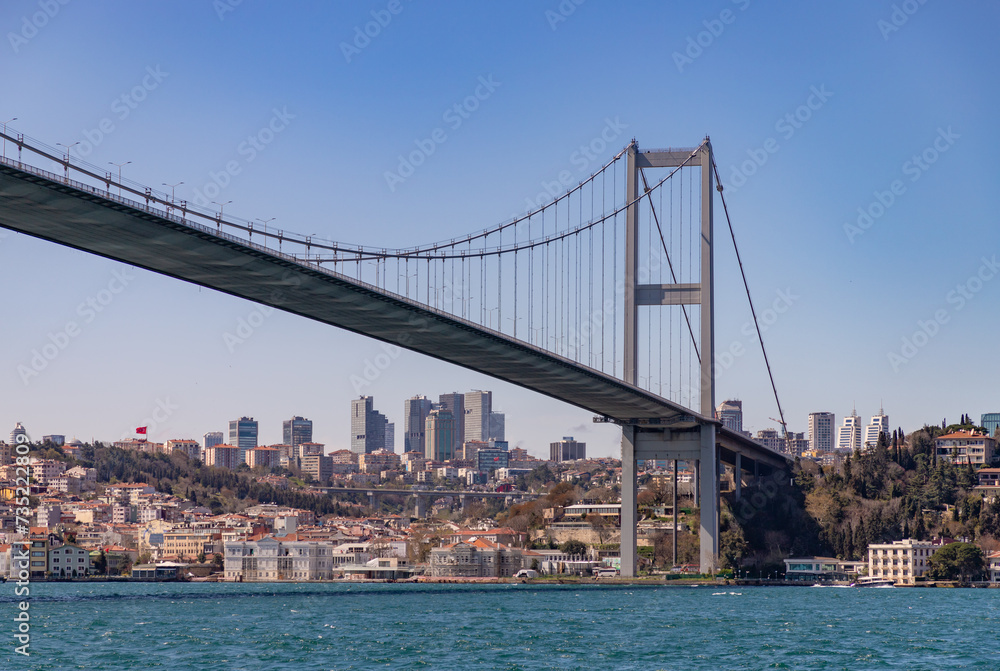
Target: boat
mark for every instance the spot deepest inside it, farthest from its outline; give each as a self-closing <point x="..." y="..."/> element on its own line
<point x="872" y="581"/>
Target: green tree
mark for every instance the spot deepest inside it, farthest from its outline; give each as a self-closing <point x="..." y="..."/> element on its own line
<point x="957" y="561"/>
<point x="573" y="548"/>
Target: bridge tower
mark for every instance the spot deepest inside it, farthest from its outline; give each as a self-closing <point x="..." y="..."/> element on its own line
<point x="694" y="439"/>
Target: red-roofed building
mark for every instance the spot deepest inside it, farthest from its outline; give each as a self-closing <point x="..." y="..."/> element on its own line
<point x="475" y="558"/>
<point x="965" y="447"/>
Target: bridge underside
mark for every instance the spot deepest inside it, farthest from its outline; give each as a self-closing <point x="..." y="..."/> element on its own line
<point x="74" y="217"/>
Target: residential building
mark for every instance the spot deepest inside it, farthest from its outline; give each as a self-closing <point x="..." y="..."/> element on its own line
<point x="439" y="428"/>
<point x="271" y="559"/>
<point x="243" y="434"/>
<point x="993" y="566"/>
<point x="296" y="431"/>
<point x="318" y="466"/>
<point x="991" y="422"/>
<point x="5" y="454"/>
<point x="849" y="434"/>
<point x="368" y="426"/>
<point x="567" y="449"/>
<point x="989" y="482"/>
<point x="730" y="413"/>
<point x="769" y="438"/>
<point x="900" y="561"/>
<point x="378" y="461"/>
<point x="478" y="407"/>
<point x="475" y="558"/>
<point x="189" y="447"/>
<point x="211" y="439"/>
<point x="69" y="561"/>
<point x="879" y="424"/>
<point x="455" y="403"/>
<point x="38" y="537"/>
<point x="820" y="429"/>
<point x="415" y="411"/>
<point x="265" y="457"/>
<point x="223" y="456"/>
<point x="796" y="444"/>
<point x="966" y="447"/>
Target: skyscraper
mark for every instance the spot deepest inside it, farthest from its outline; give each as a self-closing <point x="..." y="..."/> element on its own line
<point x="456" y="403"/>
<point x="211" y="439"/>
<point x="18" y="430"/>
<point x="730" y="413"/>
<point x="440" y="433"/>
<point x="820" y="431"/>
<point x="478" y="407"/>
<point x="414" y="416"/>
<point x="879" y="424"/>
<point x="296" y="431"/>
<point x="390" y="437"/>
<point x="849" y="434"/>
<point x="498" y="426"/>
<point x="368" y="426"/>
<point x="243" y="434"/>
<point x="567" y="449"/>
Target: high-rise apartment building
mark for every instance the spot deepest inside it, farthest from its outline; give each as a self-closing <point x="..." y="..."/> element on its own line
<point x="296" y="431"/>
<point x="440" y="430"/>
<point x="820" y="429"/>
<point x="368" y="426"/>
<point x="567" y="449"/>
<point x="849" y="434"/>
<point x="243" y="434"/>
<point x="456" y="403"/>
<point x="224" y="456"/>
<point x="415" y="412"/>
<point x="879" y="424"/>
<point x="498" y="426"/>
<point x="478" y="408"/>
<point x="730" y="413"/>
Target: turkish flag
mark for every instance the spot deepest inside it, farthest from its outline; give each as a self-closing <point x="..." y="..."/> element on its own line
<point x="141" y="429"/>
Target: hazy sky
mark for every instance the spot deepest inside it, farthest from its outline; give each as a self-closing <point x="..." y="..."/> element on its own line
<point x="814" y="109"/>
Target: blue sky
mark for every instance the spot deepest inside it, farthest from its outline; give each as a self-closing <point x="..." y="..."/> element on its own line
<point x="886" y="81"/>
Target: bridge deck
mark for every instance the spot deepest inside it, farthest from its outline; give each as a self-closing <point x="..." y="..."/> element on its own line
<point x="76" y="215"/>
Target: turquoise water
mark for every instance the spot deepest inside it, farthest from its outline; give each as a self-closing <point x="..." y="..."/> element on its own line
<point x="297" y="626"/>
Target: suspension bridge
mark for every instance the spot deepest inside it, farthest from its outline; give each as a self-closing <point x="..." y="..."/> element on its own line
<point x="602" y="298"/>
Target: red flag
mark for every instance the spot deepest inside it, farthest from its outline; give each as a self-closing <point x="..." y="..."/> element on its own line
<point x="496" y="458"/>
<point x="141" y="429"/>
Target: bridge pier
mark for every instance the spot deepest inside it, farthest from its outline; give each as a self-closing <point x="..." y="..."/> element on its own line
<point x="738" y="477"/>
<point x="371" y="500"/>
<point x="420" y="506"/>
<point x="708" y="502"/>
<point x="630" y="513"/>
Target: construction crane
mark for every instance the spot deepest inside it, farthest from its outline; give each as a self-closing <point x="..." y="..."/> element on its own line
<point x="784" y="430"/>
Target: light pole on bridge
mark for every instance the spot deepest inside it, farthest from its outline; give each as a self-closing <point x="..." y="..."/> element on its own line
<point x="5" y="135"/>
<point x="120" y="166"/>
<point x="67" y="147"/>
<point x="221" y="206"/>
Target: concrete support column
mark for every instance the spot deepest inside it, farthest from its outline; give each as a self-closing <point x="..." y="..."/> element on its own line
<point x="697" y="481"/>
<point x="738" y="476"/>
<point x="629" y="495"/>
<point x="420" y="507"/>
<point x="371" y="500"/>
<point x="709" y="499"/>
<point x="463" y="501"/>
